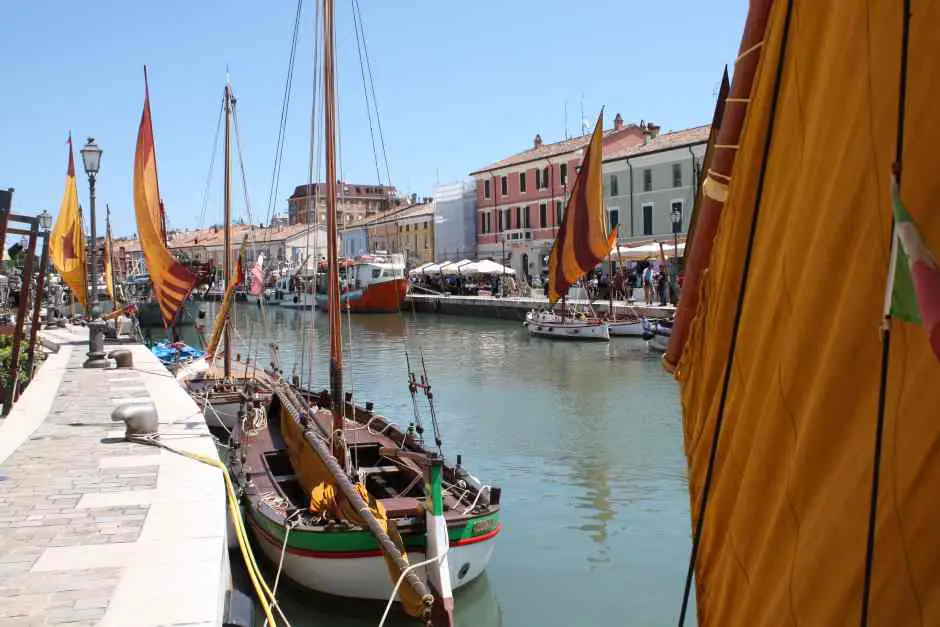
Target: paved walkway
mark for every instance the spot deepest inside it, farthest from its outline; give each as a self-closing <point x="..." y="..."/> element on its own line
<point x="95" y="530"/>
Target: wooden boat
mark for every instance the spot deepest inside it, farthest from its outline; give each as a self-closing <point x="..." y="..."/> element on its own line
<point x="343" y="559"/>
<point x="546" y="323"/>
<point x="656" y="333"/>
<point x="293" y="292"/>
<point x="625" y="327"/>
<point x="374" y="284"/>
<point x="345" y="502"/>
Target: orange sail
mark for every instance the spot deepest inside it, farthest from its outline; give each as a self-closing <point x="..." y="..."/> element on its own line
<point x="67" y="242"/>
<point x="582" y="240"/>
<point x="172" y="281"/>
<point x="781" y="373"/>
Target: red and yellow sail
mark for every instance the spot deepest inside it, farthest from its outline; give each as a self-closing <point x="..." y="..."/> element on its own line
<point x="67" y="240"/>
<point x="109" y="263"/>
<point x="172" y="281"/>
<point x="582" y="240"/>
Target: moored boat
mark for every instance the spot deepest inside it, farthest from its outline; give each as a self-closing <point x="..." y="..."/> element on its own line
<point x="544" y="323"/>
<point x="372" y="284"/>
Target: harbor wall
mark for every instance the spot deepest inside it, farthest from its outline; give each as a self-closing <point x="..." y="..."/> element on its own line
<point x="516" y="308"/>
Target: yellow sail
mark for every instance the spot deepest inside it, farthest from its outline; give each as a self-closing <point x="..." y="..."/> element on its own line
<point x="67" y="240"/>
<point x="109" y="265"/>
<point x="785" y="529"/>
<point x="221" y="318"/>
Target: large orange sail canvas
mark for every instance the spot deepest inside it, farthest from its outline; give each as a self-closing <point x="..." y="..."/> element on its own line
<point x="785" y="528"/>
<point x="172" y="281"/>
<point x="582" y="240"/>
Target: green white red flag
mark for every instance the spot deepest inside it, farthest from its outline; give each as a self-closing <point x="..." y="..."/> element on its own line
<point x="913" y="292"/>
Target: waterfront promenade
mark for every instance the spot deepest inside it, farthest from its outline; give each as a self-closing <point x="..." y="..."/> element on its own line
<point x="95" y="530"/>
<point x="515" y="308"/>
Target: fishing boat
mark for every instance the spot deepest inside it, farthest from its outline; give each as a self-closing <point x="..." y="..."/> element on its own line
<point x="344" y="501"/>
<point x="555" y="325"/>
<point x="810" y="407"/>
<point x="625" y="327"/>
<point x="371" y="284"/>
<point x="294" y="292"/>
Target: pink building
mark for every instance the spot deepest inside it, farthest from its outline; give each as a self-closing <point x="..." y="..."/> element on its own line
<point x="520" y="199"/>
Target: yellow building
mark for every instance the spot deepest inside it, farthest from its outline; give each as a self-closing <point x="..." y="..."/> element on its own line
<point x="409" y="231"/>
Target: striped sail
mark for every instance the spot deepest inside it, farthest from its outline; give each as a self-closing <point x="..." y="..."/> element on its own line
<point x="172" y="281"/>
<point x="582" y="240"/>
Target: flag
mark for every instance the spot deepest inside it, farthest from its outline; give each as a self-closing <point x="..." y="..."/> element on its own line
<point x="913" y="292"/>
<point x="172" y="281"/>
<point x="67" y="241"/>
<point x="109" y="262"/>
<point x="257" y="276"/>
<point x="582" y="239"/>
<point x="221" y="318"/>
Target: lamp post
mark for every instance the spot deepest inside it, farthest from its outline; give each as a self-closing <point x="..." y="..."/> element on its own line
<point x="91" y="158"/>
<point x="676" y="227"/>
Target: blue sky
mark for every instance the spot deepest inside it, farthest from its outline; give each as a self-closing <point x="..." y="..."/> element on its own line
<point x="459" y="85"/>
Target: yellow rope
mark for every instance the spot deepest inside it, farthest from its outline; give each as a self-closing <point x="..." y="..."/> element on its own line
<point x="749" y="51"/>
<point x="264" y="594"/>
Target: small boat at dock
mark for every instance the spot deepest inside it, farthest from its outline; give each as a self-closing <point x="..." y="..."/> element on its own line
<point x="546" y="323"/>
<point x="371" y="284"/>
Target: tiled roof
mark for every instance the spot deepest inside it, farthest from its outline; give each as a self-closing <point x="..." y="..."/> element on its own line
<point x="392" y="216"/>
<point x="674" y="139"/>
<point x="346" y="189"/>
<point x="542" y="152"/>
<point x="216" y="236"/>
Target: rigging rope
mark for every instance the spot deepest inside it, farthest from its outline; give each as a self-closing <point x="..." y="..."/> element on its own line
<point x="739" y="309"/>
<point x="886" y="331"/>
<point x="282" y="125"/>
<point x="357" y="17"/>
<point x="215" y="148"/>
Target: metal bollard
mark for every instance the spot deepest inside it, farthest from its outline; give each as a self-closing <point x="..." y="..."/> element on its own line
<point x="122" y="357"/>
<point x="140" y="419"/>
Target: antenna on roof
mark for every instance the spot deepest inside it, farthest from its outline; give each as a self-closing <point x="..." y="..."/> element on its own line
<point x="583" y="131"/>
<point x="566" y="120"/>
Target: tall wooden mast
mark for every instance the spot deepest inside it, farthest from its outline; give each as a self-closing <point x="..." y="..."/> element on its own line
<point x="336" y="345"/>
<point x="227" y="256"/>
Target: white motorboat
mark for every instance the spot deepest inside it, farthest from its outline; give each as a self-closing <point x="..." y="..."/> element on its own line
<point x="626" y="328"/>
<point x="549" y="324"/>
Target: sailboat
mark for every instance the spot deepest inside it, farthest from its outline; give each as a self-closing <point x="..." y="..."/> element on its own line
<point x="341" y="499"/>
<point x="582" y="242"/>
<point x="810" y="399"/>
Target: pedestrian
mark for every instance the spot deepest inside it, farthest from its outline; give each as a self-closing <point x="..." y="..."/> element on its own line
<point x="661" y="285"/>
<point x="648" y="284"/>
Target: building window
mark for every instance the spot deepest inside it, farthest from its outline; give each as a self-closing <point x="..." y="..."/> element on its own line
<point x="614" y="217"/>
<point x="522" y="182"/>
<point x="538" y="179"/>
<point x="545" y="177"/>
<point x="563" y="173"/>
<point x="676" y="175"/>
<point x="613" y="185"/>
<point x="482" y="223"/>
<point x="518" y="217"/>
<point x="499" y="221"/>
<point x="648" y="219"/>
<point x="504" y="185"/>
<point x="489" y="222"/>
<point x="525" y="217"/>
<point x="558" y="212"/>
<point x="486" y="188"/>
<point x="543" y="215"/>
<point x="647" y="180"/>
<point x="676" y="208"/>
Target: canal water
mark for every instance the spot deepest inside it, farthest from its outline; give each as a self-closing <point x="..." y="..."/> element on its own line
<point x="584" y="439"/>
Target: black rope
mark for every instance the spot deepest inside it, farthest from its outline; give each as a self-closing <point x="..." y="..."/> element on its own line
<point x="745" y="273"/>
<point x="215" y="147"/>
<point x="365" y="92"/>
<point x="285" y="106"/>
<point x="375" y="102"/>
<point x="886" y="333"/>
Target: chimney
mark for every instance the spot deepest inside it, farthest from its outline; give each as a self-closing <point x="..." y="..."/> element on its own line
<point x="618" y="122"/>
<point x="538" y="141"/>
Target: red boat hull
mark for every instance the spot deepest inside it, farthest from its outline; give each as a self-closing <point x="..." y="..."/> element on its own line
<point x="384" y="297"/>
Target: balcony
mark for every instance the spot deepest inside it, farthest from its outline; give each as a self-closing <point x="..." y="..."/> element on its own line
<point x="517" y="235"/>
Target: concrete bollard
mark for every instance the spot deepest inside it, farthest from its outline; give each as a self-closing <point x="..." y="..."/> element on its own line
<point x="139" y="418"/>
<point x="122" y="357"/>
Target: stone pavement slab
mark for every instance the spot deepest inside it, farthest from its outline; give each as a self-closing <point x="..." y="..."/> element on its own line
<point x="97" y="530"/>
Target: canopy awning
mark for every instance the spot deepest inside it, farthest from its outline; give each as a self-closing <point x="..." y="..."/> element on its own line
<point x="646" y="251"/>
<point x="458" y="267"/>
<point x="420" y="269"/>
<point x="486" y="267"/>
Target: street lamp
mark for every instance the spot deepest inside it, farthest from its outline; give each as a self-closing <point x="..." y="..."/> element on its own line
<point x="45" y="220"/>
<point x="91" y="158"/>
